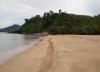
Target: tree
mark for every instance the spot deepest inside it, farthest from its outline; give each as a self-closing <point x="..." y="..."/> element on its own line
<point x="62" y="23"/>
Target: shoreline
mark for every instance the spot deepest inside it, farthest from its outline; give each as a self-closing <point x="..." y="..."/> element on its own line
<point x="18" y="60"/>
<point x="58" y="53"/>
<point x="9" y="53"/>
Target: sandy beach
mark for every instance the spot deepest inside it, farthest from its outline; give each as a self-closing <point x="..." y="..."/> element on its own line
<point x="58" y="53"/>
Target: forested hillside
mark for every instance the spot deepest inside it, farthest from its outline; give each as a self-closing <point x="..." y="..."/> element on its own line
<point x="10" y="29"/>
<point x="61" y="23"/>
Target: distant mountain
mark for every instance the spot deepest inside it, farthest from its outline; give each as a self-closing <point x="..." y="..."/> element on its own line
<point x="10" y="29"/>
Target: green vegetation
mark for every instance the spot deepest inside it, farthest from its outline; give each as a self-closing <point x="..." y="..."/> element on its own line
<point x="62" y="23"/>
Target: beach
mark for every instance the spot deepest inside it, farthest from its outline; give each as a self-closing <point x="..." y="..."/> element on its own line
<point x="13" y="44"/>
<point x="58" y="53"/>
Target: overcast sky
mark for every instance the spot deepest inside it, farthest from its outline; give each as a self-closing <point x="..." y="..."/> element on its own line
<point x="15" y="11"/>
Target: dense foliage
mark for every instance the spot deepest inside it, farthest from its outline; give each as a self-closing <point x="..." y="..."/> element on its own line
<point x="62" y="23"/>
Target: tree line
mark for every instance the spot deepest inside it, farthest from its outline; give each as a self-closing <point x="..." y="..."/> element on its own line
<point x="61" y="23"/>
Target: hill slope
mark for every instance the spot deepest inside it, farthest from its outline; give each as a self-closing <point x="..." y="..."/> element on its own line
<point x="62" y="23"/>
<point x="12" y="28"/>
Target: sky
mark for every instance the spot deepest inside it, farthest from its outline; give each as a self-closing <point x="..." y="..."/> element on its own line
<point x="15" y="11"/>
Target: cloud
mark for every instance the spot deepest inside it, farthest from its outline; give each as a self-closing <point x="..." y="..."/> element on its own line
<point x="93" y="7"/>
<point x="15" y="11"/>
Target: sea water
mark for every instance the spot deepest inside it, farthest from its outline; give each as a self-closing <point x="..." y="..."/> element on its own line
<point x="12" y="44"/>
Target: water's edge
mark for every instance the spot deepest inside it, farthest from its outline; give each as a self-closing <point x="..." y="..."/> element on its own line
<point x="7" y="53"/>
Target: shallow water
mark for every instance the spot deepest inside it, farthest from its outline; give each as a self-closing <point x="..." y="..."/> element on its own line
<point x="12" y="44"/>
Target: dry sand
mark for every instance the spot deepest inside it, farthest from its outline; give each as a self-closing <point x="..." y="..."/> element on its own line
<point x="61" y="53"/>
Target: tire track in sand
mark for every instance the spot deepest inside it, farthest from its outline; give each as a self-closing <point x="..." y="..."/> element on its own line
<point x="48" y="59"/>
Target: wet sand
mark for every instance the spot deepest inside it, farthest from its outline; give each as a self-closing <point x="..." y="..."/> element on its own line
<point x="58" y="53"/>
